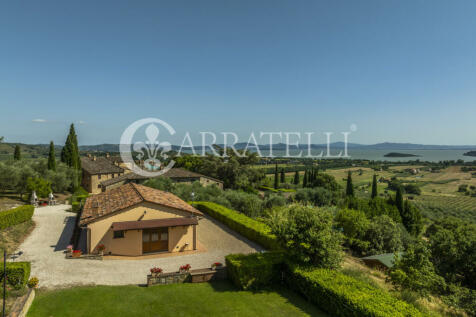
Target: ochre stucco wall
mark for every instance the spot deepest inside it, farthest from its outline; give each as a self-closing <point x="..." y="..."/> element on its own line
<point x="91" y="182"/>
<point x="131" y="244"/>
<point x="180" y="238"/>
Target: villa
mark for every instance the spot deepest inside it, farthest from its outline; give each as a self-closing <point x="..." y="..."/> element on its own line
<point x="134" y="220"/>
<point x="98" y="169"/>
<point x="177" y="175"/>
<point x="101" y="174"/>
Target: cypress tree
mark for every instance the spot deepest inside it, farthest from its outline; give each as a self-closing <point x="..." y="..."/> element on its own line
<point x="296" y="178"/>
<point x="283" y="176"/>
<point x="70" y="152"/>
<point x="304" y="180"/>
<point x="350" y="187"/>
<point x="17" y="153"/>
<point x="276" y="180"/>
<point x="374" y="186"/>
<point x="399" y="200"/>
<point x="51" y="157"/>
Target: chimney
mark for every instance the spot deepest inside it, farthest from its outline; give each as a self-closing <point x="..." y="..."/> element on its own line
<point x="94" y="157"/>
<point x="107" y="155"/>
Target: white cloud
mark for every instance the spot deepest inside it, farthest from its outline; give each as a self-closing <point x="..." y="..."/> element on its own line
<point x="81" y="122"/>
<point x="38" y="120"/>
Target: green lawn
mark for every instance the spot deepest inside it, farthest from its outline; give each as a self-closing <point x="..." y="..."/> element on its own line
<point x="204" y="299"/>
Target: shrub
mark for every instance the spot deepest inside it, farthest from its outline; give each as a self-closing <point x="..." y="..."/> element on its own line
<point x="318" y="196"/>
<point x="15" y="216"/>
<point x="78" y="199"/>
<point x="17" y="273"/>
<point x="414" y="271"/>
<point x="33" y="282"/>
<point x="383" y="235"/>
<point x="254" y="271"/>
<point x="252" y="229"/>
<point x="343" y="295"/>
<point x="75" y="207"/>
<point x="41" y="186"/>
<point x="308" y="235"/>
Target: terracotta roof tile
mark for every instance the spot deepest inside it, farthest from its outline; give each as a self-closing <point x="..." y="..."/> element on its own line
<point x="128" y="195"/>
<point x="174" y="173"/>
<point x="99" y="166"/>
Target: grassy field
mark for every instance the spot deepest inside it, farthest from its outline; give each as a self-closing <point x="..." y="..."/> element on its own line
<point x="439" y="191"/>
<point x="204" y="299"/>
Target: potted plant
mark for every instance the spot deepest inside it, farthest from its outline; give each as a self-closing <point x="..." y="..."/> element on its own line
<point x="76" y="253"/>
<point x="33" y="282"/>
<point x="101" y="249"/>
<point x="185" y="268"/>
<point x="155" y="271"/>
<point x="216" y="264"/>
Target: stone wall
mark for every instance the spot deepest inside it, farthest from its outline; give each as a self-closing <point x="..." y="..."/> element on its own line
<point x="168" y="278"/>
<point x="193" y="276"/>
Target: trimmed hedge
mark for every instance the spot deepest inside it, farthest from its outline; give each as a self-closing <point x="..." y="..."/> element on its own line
<point x="75" y="206"/>
<point x="342" y="295"/>
<point x="252" y="229"/>
<point x="15" y="216"/>
<point x="18" y="273"/>
<point x="78" y="201"/>
<point x="279" y="190"/>
<point x="254" y="271"/>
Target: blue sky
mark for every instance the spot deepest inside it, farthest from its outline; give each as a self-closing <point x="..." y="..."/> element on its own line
<point x="402" y="71"/>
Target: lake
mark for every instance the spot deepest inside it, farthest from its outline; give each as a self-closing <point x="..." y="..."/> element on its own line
<point x="378" y="155"/>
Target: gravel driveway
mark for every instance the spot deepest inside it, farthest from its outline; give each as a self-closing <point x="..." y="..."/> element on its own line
<point x="45" y="246"/>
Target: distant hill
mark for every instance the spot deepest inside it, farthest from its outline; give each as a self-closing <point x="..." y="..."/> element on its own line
<point x="41" y="150"/>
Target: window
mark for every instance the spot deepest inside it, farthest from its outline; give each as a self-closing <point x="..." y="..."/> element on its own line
<point x="99" y="176"/>
<point x="118" y="234"/>
<point x="112" y="175"/>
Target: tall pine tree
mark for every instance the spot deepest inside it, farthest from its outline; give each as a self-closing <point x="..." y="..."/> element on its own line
<point x="296" y="178"/>
<point x="374" y="187"/>
<point x="51" y="157"/>
<point x="276" y="179"/>
<point x="283" y="176"/>
<point x="350" y="187"/>
<point x="17" y="153"/>
<point x="304" y="180"/>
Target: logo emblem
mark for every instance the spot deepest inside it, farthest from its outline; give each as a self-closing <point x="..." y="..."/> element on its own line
<point x="149" y="151"/>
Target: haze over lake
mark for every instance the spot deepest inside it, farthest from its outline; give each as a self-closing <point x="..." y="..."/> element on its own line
<point x="378" y="155"/>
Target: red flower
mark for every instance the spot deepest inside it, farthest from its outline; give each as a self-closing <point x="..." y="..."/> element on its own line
<point x="217" y="264"/>
<point x="77" y="251"/>
<point x="156" y="270"/>
<point x="185" y="267"/>
<point x="101" y="247"/>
